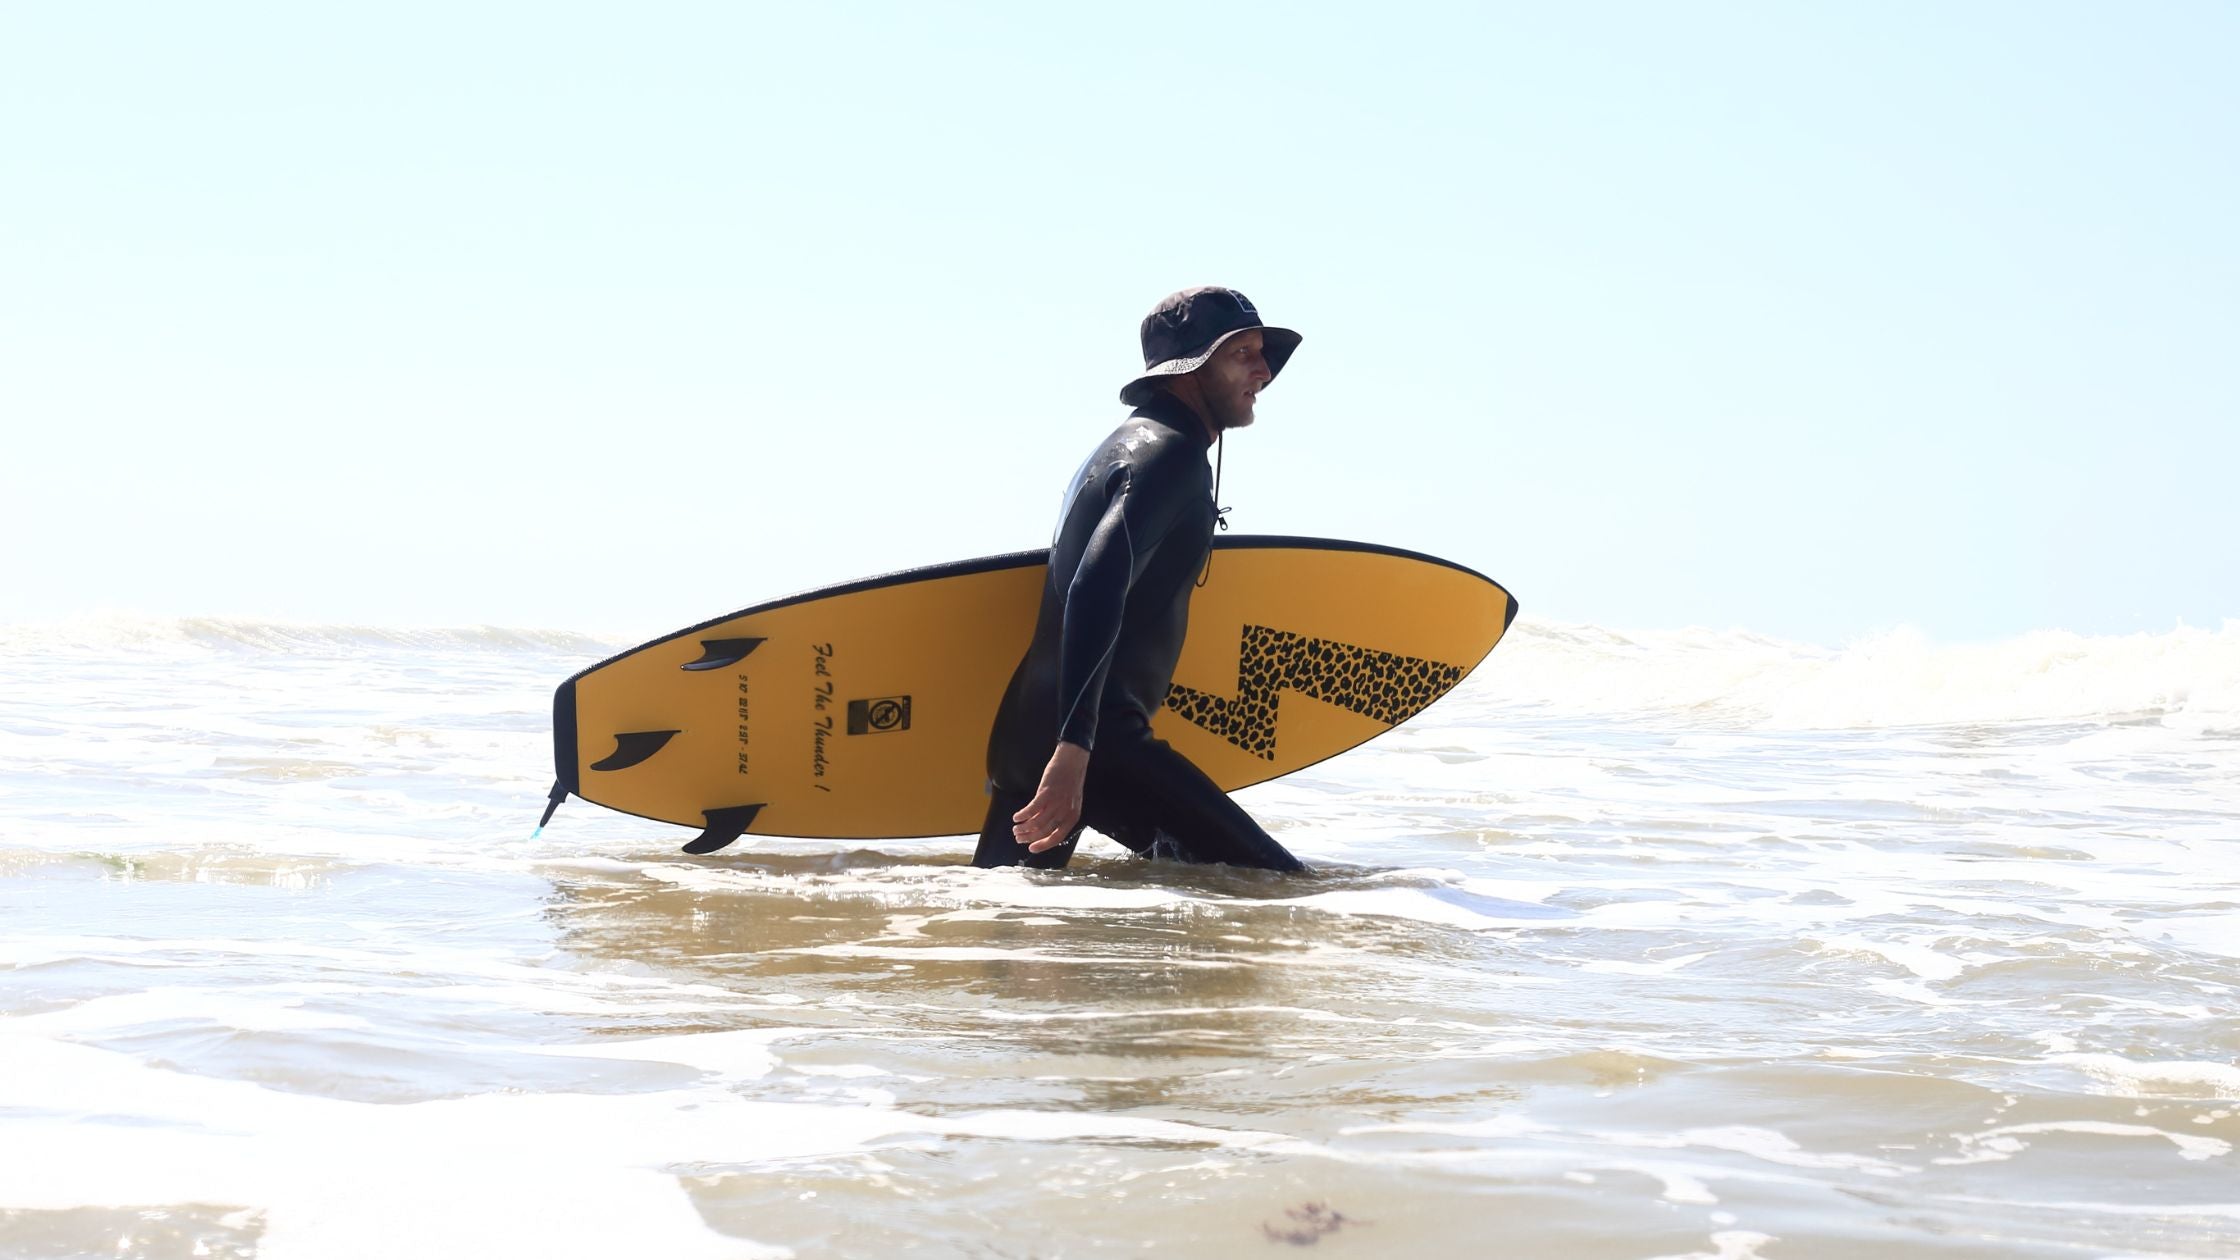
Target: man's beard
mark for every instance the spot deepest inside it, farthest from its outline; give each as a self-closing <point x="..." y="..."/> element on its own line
<point x="1230" y="413"/>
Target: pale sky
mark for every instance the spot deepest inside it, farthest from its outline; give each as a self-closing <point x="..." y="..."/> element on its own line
<point x="1811" y="320"/>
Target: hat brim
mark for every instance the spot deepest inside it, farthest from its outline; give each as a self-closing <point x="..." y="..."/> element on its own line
<point x="1276" y="347"/>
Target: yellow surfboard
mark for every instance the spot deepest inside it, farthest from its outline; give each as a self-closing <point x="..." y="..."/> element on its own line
<point x="861" y="711"/>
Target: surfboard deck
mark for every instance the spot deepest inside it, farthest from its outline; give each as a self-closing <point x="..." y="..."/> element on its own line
<point x="862" y="711"/>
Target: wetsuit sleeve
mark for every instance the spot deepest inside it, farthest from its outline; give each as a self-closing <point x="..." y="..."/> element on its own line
<point x="1141" y="508"/>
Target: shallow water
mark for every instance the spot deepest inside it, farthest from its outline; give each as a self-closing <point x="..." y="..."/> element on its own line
<point x="1636" y="946"/>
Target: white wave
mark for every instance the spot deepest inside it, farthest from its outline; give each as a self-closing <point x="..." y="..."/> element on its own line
<point x="2190" y="1145"/>
<point x="1919" y="959"/>
<point x="1899" y="678"/>
<point x="580" y="1174"/>
<point x="1440" y="907"/>
<point x="115" y="632"/>
<point x="1732" y="1244"/>
<point x="1727" y="678"/>
<point x="2132" y="1078"/>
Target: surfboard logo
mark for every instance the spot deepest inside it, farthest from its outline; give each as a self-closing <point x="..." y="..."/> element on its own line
<point x="877" y="717"/>
<point x="1385" y="686"/>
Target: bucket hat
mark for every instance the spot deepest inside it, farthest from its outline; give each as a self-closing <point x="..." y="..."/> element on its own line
<point x="1185" y="329"/>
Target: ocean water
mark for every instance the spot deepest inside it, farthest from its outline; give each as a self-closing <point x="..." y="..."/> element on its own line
<point x="1638" y="945"/>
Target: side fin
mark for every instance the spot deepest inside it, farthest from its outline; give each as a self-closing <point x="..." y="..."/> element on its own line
<point x="724" y="826"/>
<point x="717" y="653"/>
<point x="632" y="747"/>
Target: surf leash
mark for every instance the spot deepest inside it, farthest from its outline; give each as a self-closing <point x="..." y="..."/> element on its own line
<point x="552" y="806"/>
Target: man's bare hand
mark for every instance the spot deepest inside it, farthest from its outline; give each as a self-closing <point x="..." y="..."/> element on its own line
<point x="1056" y="808"/>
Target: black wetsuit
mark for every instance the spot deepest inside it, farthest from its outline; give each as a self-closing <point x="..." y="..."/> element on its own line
<point x="1131" y="542"/>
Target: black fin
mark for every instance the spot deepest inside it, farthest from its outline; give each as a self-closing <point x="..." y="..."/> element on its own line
<point x="717" y="653"/>
<point x="724" y="826"/>
<point x="632" y="747"/>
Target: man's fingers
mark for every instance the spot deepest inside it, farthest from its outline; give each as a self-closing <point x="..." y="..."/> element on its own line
<point x="1040" y="813"/>
<point x="1052" y="838"/>
<point x="1042" y="824"/>
<point x="1055" y="812"/>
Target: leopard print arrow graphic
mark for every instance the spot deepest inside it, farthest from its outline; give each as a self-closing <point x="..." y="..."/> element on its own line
<point x="1381" y="685"/>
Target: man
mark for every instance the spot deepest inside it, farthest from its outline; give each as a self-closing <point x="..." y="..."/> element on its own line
<point x="1072" y="743"/>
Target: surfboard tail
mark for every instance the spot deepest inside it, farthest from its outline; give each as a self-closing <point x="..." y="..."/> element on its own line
<point x="566" y="780"/>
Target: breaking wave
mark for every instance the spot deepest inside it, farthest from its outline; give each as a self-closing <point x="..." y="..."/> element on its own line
<point x="1725" y="678"/>
<point x="101" y="634"/>
<point x="1900" y="678"/>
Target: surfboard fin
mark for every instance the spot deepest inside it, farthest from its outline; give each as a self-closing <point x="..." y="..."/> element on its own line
<point x="632" y="747"/>
<point x="724" y="826"/>
<point x="717" y="653"/>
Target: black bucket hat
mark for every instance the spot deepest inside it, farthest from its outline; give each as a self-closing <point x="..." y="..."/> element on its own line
<point x="1185" y="328"/>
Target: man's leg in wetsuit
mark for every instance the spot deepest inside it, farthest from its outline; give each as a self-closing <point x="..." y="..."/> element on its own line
<point x="1139" y="787"/>
<point x="999" y="847"/>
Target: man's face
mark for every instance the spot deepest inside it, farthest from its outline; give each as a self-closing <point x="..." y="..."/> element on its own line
<point x="1230" y="382"/>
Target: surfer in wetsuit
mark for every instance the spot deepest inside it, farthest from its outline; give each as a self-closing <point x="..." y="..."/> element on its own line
<point x="1072" y="743"/>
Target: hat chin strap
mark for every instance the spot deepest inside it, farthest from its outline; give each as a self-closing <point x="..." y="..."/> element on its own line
<point x="1220" y="513"/>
